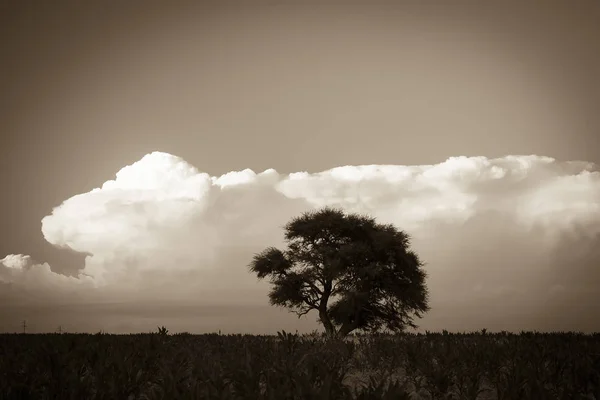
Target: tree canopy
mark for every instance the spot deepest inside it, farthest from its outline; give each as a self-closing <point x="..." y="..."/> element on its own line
<point x="365" y="269"/>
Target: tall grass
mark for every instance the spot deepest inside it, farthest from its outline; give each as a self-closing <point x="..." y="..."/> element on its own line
<point x="473" y="366"/>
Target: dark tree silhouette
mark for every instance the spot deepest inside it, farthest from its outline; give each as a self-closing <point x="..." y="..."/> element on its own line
<point x="377" y="280"/>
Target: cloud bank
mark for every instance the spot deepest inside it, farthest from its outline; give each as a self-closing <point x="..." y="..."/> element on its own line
<point x="510" y="243"/>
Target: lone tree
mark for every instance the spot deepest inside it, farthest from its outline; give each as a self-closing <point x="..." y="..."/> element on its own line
<point x="377" y="280"/>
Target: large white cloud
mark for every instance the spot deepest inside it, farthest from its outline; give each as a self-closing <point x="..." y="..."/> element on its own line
<point x="504" y="239"/>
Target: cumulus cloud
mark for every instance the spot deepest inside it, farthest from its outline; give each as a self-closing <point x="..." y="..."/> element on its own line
<point x="510" y="243"/>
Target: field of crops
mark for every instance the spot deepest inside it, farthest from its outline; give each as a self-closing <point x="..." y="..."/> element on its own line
<point x="183" y="366"/>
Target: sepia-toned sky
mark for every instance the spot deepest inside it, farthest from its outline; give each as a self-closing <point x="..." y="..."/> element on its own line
<point x="194" y="92"/>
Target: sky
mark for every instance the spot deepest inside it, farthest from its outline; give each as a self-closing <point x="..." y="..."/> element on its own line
<point x="149" y="150"/>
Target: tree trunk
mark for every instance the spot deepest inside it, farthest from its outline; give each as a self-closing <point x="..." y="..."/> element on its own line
<point x="329" y="328"/>
<point x="345" y="329"/>
<point x="323" y="316"/>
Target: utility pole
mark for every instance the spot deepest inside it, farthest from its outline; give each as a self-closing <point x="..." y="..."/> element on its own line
<point x="24" y="325"/>
<point x="59" y="329"/>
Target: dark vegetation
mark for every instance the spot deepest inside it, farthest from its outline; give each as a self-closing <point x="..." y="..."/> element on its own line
<point x="480" y="366"/>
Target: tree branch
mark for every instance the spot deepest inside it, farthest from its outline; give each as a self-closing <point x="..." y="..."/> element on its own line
<point x="303" y="311"/>
<point x="315" y="288"/>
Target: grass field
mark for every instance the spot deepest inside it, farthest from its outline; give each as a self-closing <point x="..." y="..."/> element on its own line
<point x="473" y="366"/>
